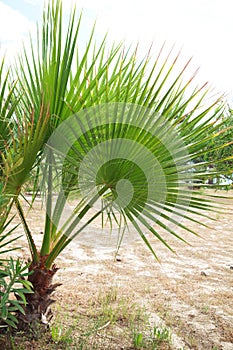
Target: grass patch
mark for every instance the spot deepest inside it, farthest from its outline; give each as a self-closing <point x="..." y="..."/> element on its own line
<point x="107" y="320"/>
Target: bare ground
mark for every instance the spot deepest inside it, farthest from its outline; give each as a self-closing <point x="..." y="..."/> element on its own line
<point x="191" y="292"/>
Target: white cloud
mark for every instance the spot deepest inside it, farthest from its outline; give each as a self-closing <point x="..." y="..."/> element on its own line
<point x="202" y="27"/>
<point x="14" y="28"/>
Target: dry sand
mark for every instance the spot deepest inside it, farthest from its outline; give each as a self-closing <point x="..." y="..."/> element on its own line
<point x="190" y="291"/>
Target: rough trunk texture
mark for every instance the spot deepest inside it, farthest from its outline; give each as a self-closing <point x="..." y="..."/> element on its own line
<point x="37" y="311"/>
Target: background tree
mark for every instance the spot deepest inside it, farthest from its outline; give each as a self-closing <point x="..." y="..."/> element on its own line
<point x="222" y="149"/>
<point x="217" y="154"/>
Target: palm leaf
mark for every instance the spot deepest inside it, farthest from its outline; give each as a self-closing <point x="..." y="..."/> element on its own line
<point x="106" y="127"/>
<point x="133" y="160"/>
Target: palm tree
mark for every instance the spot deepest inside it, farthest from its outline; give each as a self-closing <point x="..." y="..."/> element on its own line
<point x="109" y="129"/>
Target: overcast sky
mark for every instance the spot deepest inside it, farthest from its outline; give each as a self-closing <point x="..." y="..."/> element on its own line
<point x="203" y="28"/>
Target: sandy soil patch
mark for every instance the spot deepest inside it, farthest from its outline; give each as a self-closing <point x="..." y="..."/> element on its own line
<point x="191" y="292"/>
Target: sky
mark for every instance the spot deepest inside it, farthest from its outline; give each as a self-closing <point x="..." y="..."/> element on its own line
<point x="203" y="29"/>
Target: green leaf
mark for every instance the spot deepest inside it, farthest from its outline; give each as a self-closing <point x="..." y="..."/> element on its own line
<point x="4" y="310"/>
<point x="18" y="306"/>
<point x="12" y="323"/>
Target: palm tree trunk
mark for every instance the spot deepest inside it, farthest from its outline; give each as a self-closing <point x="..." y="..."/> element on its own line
<point x="37" y="311"/>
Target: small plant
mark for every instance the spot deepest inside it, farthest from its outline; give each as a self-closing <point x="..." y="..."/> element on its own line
<point x="138" y="340"/>
<point x="205" y="309"/>
<point x="13" y="287"/>
<point x="155" y="338"/>
<point x="13" y="273"/>
<point x="61" y="335"/>
<point x="161" y="334"/>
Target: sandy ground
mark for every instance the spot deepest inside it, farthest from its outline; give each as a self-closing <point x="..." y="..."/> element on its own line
<point x="191" y="292"/>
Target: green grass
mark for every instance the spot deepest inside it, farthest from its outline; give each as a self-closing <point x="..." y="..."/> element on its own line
<point x="157" y="337"/>
<point x="107" y="320"/>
